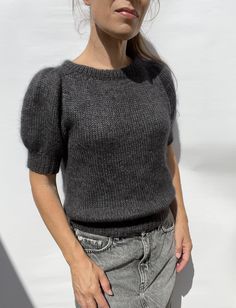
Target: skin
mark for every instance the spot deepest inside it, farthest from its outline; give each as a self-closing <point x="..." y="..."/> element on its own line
<point x="109" y="33"/>
<point x="106" y="50"/>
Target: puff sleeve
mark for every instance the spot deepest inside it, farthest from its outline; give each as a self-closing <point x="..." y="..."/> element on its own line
<point x="168" y="83"/>
<point x="40" y="128"/>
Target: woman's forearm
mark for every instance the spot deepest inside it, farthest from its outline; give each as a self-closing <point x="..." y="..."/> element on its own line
<point x="177" y="206"/>
<point x="48" y="202"/>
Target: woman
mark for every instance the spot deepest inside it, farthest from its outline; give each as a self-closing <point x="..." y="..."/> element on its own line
<point x="106" y="118"/>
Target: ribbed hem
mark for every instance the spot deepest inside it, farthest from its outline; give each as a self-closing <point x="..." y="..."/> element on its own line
<point x="43" y="163"/>
<point x="69" y="66"/>
<point x="147" y="224"/>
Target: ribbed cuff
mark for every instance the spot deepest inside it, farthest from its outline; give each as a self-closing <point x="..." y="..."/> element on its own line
<point x="43" y="163"/>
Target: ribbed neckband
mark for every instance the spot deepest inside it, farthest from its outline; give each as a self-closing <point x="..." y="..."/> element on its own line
<point x="68" y="66"/>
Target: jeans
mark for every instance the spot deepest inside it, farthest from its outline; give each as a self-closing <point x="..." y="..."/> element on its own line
<point x="141" y="269"/>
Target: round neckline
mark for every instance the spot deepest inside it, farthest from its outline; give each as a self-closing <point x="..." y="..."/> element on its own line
<point x="118" y="73"/>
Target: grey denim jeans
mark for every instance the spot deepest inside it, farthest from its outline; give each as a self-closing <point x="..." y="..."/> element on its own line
<point x="141" y="269"/>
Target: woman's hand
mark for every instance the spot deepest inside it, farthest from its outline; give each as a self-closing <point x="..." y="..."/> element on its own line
<point x="86" y="279"/>
<point x="183" y="243"/>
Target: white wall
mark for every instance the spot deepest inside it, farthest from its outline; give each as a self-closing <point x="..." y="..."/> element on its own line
<point x="198" y="40"/>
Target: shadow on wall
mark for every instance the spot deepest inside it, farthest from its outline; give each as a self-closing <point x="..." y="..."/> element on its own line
<point x="12" y="293"/>
<point x="183" y="285"/>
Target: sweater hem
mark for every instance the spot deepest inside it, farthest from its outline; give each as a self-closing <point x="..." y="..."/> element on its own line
<point x="125" y="229"/>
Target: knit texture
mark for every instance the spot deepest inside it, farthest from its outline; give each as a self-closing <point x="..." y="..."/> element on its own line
<point x="107" y="130"/>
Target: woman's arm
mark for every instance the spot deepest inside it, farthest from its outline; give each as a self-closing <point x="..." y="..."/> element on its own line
<point x="47" y="200"/>
<point x="87" y="277"/>
<point x="177" y="206"/>
<point x="182" y="235"/>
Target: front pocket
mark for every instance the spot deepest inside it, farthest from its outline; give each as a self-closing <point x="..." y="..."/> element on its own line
<point x="93" y="242"/>
<point x="167" y="229"/>
<point x="168" y="224"/>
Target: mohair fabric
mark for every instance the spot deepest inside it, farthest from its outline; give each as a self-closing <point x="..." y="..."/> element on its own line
<point x="107" y="130"/>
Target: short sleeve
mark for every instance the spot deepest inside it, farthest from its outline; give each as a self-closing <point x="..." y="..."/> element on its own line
<point x="168" y="83"/>
<point x="40" y="129"/>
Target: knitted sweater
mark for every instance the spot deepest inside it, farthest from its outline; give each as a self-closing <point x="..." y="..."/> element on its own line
<point x="107" y="130"/>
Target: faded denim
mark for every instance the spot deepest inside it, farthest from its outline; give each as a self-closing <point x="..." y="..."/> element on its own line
<point x="141" y="269"/>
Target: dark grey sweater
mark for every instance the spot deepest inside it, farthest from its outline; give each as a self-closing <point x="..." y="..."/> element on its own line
<point x="108" y="130"/>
